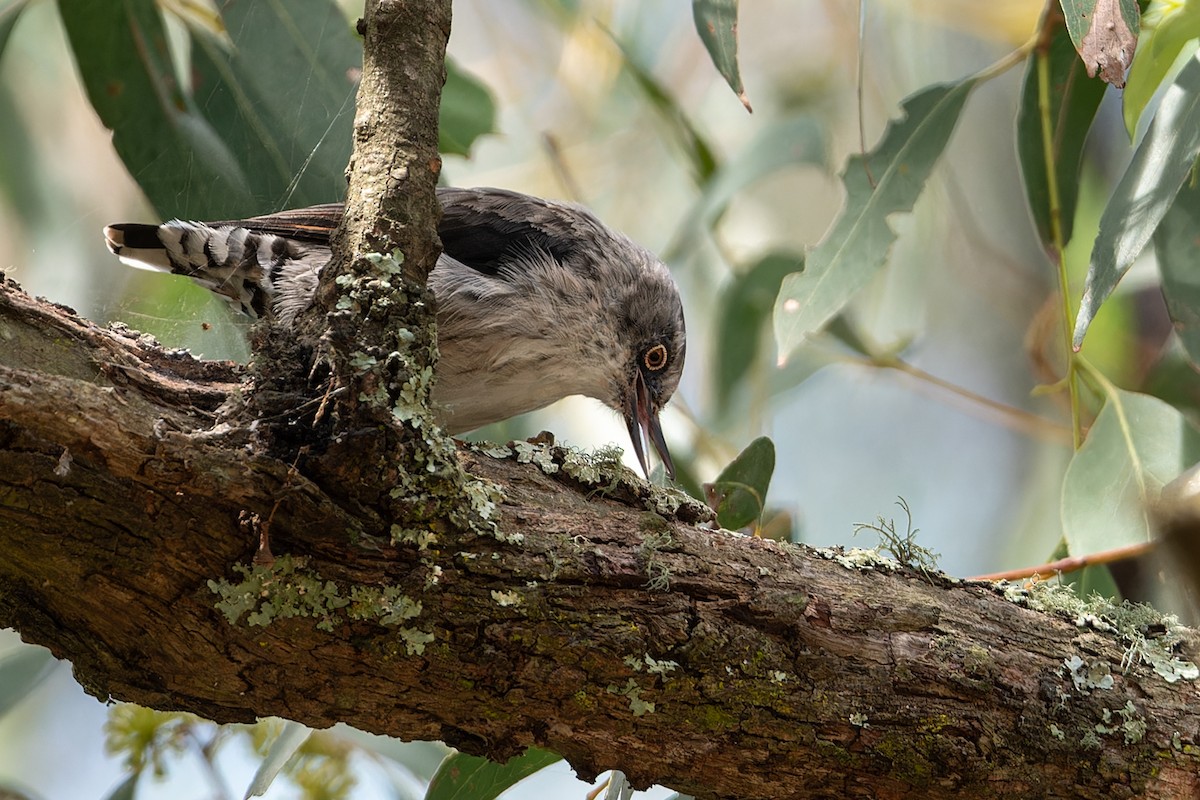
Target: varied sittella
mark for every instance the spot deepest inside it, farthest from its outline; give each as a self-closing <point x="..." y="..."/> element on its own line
<point x="536" y="300"/>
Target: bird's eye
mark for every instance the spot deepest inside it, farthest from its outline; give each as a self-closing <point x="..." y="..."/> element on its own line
<point x="655" y="358"/>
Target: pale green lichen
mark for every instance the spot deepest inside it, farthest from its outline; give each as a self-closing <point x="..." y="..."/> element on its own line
<point x="1089" y="677"/>
<point x="506" y="598"/>
<point x="420" y="538"/>
<point x="902" y="547"/>
<point x="1132" y="726"/>
<point x="1150" y="636"/>
<point x="539" y="454"/>
<point x="602" y="470"/>
<point x="858" y="720"/>
<point x="658" y="573"/>
<point x="287" y="588"/>
<point x="1057" y="732"/>
<point x="860" y="559"/>
<point x="652" y="665"/>
<point x="631" y="690"/>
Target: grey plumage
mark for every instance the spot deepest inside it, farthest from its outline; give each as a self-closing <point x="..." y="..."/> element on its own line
<point x="537" y="300"/>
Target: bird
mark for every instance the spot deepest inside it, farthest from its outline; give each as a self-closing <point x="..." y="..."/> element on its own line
<point x="536" y="300"/>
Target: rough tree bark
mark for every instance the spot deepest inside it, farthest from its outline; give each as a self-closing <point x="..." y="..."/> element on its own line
<point x="585" y="612"/>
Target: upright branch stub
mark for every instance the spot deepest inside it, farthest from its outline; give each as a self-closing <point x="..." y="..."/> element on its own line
<point x="371" y="337"/>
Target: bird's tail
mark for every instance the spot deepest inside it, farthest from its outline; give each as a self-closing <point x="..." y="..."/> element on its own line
<point x="138" y="245"/>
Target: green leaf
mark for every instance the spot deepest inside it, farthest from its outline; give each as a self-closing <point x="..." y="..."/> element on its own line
<point x="21" y="671"/>
<point x="1105" y="34"/>
<point x="464" y="777"/>
<point x="797" y="139"/>
<point x="695" y="147"/>
<point x="281" y="95"/>
<point x="126" y="790"/>
<point x="170" y="149"/>
<point x="1074" y="99"/>
<point x="1177" y="243"/>
<point x="1168" y="31"/>
<point x="716" y="22"/>
<point x="739" y="493"/>
<point x="467" y="111"/>
<point x="291" y="736"/>
<point x="888" y="180"/>
<point x="10" y="12"/>
<point x="745" y="306"/>
<point x="1144" y="193"/>
<point x="1137" y="445"/>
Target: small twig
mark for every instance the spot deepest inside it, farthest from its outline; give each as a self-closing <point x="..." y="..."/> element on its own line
<point x="1071" y="563"/>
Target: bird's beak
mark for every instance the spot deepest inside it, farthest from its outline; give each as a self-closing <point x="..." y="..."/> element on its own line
<point x="643" y="424"/>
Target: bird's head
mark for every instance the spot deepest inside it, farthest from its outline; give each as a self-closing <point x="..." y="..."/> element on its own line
<point x="655" y="345"/>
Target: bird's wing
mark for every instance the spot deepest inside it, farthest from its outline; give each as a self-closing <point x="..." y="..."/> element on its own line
<point x="313" y="224"/>
<point x="488" y="229"/>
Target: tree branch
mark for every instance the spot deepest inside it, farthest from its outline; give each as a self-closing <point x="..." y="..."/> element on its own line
<point x="574" y="607"/>
<point x="590" y="624"/>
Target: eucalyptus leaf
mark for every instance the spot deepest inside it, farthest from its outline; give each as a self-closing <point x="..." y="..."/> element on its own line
<point x="1137" y="445"/>
<point x="22" y="670"/>
<point x="166" y="143"/>
<point x="1074" y="100"/>
<point x="1105" y="33"/>
<point x="1178" y="251"/>
<point x="464" y="777"/>
<point x="716" y="22"/>
<point x="10" y="12"/>
<point x="745" y="307"/>
<point x="887" y="180"/>
<point x="696" y="148"/>
<point x="1168" y="31"/>
<point x="1145" y="192"/>
<point x="126" y="790"/>
<point x="467" y="111"/>
<point x="739" y="493"/>
<point x="289" y="740"/>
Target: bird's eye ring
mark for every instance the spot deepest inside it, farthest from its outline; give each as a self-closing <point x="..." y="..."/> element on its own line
<point x="655" y="358"/>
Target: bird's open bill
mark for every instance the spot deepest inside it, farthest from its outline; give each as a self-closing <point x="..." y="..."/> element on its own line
<point x="642" y="419"/>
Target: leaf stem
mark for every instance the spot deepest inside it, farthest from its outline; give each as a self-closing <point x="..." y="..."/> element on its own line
<point x="1056" y="235"/>
<point x="1016" y="418"/>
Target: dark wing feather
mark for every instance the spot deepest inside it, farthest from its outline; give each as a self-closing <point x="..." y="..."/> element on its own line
<point x="313" y="224"/>
<point x="487" y="229"/>
<point x="484" y="229"/>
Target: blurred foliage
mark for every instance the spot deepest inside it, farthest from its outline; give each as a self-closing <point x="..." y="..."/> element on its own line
<point x="249" y="109"/>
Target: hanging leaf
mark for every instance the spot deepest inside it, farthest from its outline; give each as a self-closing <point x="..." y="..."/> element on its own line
<point x="696" y="148"/>
<point x="888" y="180"/>
<point x="716" y="22"/>
<point x="464" y="777"/>
<point x="1137" y="445"/>
<point x="21" y="671"/>
<point x="1105" y="33"/>
<point x="10" y="12"/>
<point x="745" y="307"/>
<point x="1144" y="193"/>
<point x="1177" y="245"/>
<point x="467" y="111"/>
<point x="290" y="738"/>
<point x="739" y="493"/>
<point x="782" y="143"/>
<point x="1074" y="100"/>
<point x="168" y="146"/>
<point x="1168" y="31"/>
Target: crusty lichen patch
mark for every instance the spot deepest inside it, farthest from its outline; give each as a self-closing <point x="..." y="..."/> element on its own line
<point x="603" y="473"/>
<point x="1150" y="636"/>
<point x="286" y="588"/>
